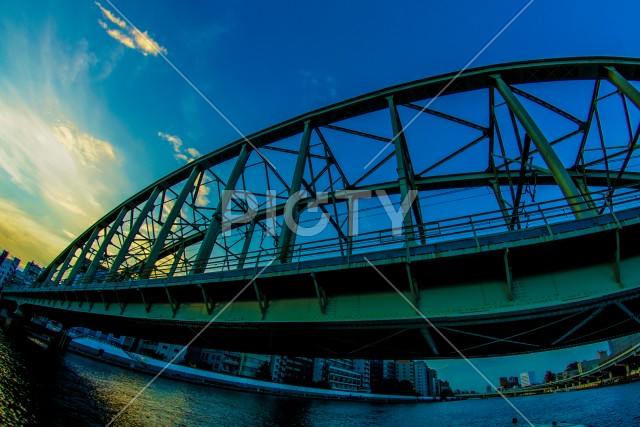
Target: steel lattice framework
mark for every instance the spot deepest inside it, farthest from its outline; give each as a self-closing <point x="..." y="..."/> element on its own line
<point x="495" y="151"/>
<point x="505" y="138"/>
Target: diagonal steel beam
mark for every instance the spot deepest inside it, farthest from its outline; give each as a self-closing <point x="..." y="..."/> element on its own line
<point x="579" y="325"/>
<point x="447" y="117"/>
<point x="215" y="227"/>
<point x="406" y="176"/>
<point x="158" y="245"/>
<point x="578" y="205"/>
<point x="83" y="255"/>
<point x="287" y="236"/>
<point x="99" y="256"/>
<point x="630" y="313"/>
<point x="133" y="232"/>
<point x="623" y="85"/>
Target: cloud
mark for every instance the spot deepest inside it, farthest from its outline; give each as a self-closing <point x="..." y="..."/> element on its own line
<point x="129" y="36"/>
<point x="25" y="237"/>
<point x="193" y="152"/>
<point x="57" y="161"/>
<point x="187" y="155"/>
<point x="89" y="150"/>
<point x="111" y="17"/>
<point x="174" y="140"/>
<point x="57" y="177"/>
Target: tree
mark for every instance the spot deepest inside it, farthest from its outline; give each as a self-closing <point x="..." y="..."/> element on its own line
<point x="264" y="372"/>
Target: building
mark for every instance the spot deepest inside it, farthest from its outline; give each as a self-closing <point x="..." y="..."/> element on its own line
<point x="292" y="370"/>
<point x="549" y="377"/>
<point x="250" y="364"/>
<point x="405" y="371"/>
<point x="340" y="374"/>
<point x="528" y="378"/>
<point x="363" y="367"/>
<point x="8" y="270"/>
<point x="432" y="382"/>
<point x="421" y="378"/>
<point x="3" y="256"/>
<point x="587" y="365"/>
<point x="571" y="370"/>
<point x="602" y="354"/>
<point x="382" y="370"/>
<point x="170" y="351"/>
<point x="31" y="273"/>
<point x="619" y="345"/>
<point x="514" y="382"/>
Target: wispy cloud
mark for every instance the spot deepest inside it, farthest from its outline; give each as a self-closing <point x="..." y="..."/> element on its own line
<point x="128" y="36"/>
<point x="187" y="155"/>
<point x="26" y="237"/>
<point x="57" y="175"/>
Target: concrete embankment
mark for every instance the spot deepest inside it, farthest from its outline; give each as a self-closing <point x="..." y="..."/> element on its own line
<point x="111" y="354"/>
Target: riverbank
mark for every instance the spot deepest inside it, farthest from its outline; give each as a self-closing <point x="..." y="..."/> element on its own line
<point x="107" y="353"/>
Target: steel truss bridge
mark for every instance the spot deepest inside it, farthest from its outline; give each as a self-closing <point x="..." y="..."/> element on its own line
<point x="523" y="234"/>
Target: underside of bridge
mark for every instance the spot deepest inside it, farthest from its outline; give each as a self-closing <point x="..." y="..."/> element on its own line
<point x="487" y="213"/>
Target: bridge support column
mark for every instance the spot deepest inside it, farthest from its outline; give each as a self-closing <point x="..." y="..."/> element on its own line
<point x="567" y="186"/>
<point x="158" y="245"/>
<point x="321" y="294"/>
<point x="287" y="235"/>
<point x="215" y="227"/>
<point x="507" y="268"/>
<point x="133" y="232"/>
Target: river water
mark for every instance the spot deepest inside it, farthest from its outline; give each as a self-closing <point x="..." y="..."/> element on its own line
<point x="74" y="391"/>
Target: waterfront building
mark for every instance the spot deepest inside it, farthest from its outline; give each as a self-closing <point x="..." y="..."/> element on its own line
<point x="432" y="381"/>
<point x="421" y="378"/>
<point x="504" y="382"/>
<point x="363" y="366"/>
<point x="527" y="378"/>
<point x="382" y="370"/>
<point x="225" y="362"/>
<point x="250" y="364"/>
<point x="146" y="347"/>
<point x="168" y="351"/>
<point x="339" y="374"/>
<point x="602" y="355"/>
<point x="292" y="370"/>
<point x="405" y="371"/>
<point x="3" y="256"/>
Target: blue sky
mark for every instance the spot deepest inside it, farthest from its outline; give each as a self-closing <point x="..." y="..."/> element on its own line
<point x="89" y="114"/>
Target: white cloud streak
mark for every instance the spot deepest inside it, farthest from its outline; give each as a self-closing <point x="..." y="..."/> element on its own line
<point x="187" y="155"/>
<point x="129" y="37"/>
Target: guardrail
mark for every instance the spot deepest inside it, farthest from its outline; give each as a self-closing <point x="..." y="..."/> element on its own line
<point x="469" y="227"/>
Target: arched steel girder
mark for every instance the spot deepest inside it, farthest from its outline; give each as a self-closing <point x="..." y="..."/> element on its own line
<point x="618" y="71"/>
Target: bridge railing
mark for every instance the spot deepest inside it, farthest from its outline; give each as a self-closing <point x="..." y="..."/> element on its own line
<point x="470" y="227"/>
<point x="465" y="230"/>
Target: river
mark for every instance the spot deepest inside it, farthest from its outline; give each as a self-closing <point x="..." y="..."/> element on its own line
<point x="73" y="391"/>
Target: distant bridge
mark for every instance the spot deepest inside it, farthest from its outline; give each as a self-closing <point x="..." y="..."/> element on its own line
<point x="619" y="369"/>
<point x="520" y="184"/>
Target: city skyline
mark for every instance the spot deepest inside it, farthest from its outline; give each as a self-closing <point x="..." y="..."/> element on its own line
<point x="90" y="114"/>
